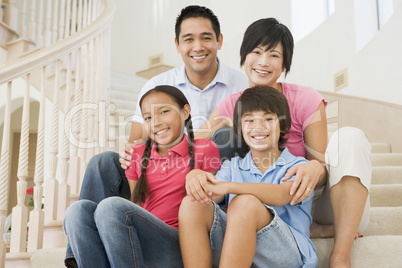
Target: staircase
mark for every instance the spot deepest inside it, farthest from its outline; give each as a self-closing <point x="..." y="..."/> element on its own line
<point x="381" y="245"/>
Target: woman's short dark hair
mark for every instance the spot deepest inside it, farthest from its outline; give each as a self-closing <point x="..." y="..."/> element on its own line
<point x="197" y="12"/>
<point x="267" y="99"/>
<point x="268" y="33"/>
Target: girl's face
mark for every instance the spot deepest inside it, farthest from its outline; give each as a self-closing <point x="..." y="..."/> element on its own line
<point x="261" y="131"/>
<point x="264" y="68"/>
<point x="164" y="120"/>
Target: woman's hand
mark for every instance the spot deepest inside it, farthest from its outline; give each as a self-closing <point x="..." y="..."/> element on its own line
<point x="125" y="156"/>
<point x="197" y="185"/>
<point x="307" y="177"/>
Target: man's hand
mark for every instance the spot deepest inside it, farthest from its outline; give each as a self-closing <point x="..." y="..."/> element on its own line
<point x="197" y="185"/>
<point x="125" y="156"/>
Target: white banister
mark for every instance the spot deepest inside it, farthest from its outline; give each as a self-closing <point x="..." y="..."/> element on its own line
<point x="74" y="174"/>
<point x="64" y="188"/>
<point x="55" y="18"/>
<point x="51" y="184"/>
<point x="68" y="19"/>
<point x="4" y="168"/>
<point x="39" y="25"/>
<point x="32" y="23"/>
<point x="36" y="216"/>
<point x="75" y="56"/>
<point x="20" y="212"/>
<point x="61" y="19"/>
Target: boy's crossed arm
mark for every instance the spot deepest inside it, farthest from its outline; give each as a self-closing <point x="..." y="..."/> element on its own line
<point x="201" y="186"/>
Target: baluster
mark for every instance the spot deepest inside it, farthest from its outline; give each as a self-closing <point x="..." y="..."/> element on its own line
<point x="61" y="20"/>
<point x="89" y="18"/>
<point x="74" y="17"/>
<point x="39" y="30"/>
<point x="36" y="216"/>
<point x="55" y="21"/>
<point x="84" y="117"/>
<point x="68" y="19"/>
<point x="102" y="114"/>
<point x="112" y="108"/>
<point x="4" y="169"/>
<point x="91" y="99"/>
<point x="32" y="23"/>
<point x="48" y="32"/>
<point x="74" y="174"/>
<point x="64" y="188"/>
<point x="22" y="30"/>
<point x="79" y="17"/>
<point x="51" y="184"/>
<point x="20" y="211"/>
<point x="11" y="15"/>
<point x="85" y="14"/>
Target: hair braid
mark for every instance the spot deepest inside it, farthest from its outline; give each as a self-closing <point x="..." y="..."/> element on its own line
<point x="190" y="132"/>
<point x="140" y="192"/>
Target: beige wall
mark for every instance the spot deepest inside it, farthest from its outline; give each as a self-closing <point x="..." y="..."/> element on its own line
<point x="380" y="121"/>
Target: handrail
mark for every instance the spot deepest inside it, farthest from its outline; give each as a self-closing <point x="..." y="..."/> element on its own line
<point x="45" y="56"/>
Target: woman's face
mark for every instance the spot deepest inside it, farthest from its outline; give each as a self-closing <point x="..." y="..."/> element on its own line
<point x="264" y="67"/>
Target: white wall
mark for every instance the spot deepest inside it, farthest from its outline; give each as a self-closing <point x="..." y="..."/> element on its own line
<point x="374" y="70"/>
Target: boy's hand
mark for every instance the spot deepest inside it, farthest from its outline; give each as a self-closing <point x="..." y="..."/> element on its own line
<point x="125" y="156"/>
<point x="197" y="187"/>
<point x="218" y="188"/>
<point x="307" y="176"/>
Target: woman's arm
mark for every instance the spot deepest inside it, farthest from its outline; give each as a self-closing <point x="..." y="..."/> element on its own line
<point x="132" y="184"/>
<point x="271" y="194"/>
<point x="214" y="123"/>
<point x="313" y="173"/>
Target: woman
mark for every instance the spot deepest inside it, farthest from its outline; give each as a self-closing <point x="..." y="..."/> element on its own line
<point x="342" y="208"/>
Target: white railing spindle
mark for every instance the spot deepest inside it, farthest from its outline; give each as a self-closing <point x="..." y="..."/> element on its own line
<point x="47" y="38"/>
<point x="64" y="188"/>
<point x="32" y="23"/>
<point x="36" y="216"/>
<point x="55" y="18"/>
<point x="20" y="212"/>
<point x="67" y="24"/>
<point x="61" y="19"/>
<point x="39" y="25"/>
<point x="51" y="184"/>
<point x="4" y="168"/>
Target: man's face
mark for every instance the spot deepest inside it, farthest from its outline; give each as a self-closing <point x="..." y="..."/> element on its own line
<point x="198" y="46"/>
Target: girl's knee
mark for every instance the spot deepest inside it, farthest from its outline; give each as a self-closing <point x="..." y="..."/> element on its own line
<point x="78" y="211"/>
<point x="244" y="204"/>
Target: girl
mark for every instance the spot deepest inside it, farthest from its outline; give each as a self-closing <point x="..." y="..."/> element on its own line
<point x="143" y="233"/>
<point x="261" y="228"/>
<point x="343" y="208"/>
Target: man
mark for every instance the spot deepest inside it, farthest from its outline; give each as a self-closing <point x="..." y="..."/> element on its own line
<point x="203" y="79"/>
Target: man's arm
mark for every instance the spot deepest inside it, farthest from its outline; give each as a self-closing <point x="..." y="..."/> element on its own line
<point x="214" y="123"/>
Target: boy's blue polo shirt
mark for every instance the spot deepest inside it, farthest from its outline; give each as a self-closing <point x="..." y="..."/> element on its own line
<point x="298" y="217"/>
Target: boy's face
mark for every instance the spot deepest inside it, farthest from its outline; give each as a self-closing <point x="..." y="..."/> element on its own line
<point x="261" y="131"/>
<point x="198" y="45"/>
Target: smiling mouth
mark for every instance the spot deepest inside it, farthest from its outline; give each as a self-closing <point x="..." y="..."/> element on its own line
<point x="161" y="132"/>
<point x="260" y="137"/>
<point x="199" y="57"/>
<point x="261" y="72"/>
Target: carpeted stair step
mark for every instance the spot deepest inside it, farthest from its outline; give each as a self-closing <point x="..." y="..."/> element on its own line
<point x="387" y="175"/>
<point x="386" y="195"/>
<point x="384" y="221"/>
<point x="370" y="251"/>
<point x="386" y="159"/>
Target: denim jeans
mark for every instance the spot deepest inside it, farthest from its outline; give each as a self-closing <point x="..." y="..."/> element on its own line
<point x="276" y="246"/>
<point x="104" y="177"/>
<point x="119" y="233"/>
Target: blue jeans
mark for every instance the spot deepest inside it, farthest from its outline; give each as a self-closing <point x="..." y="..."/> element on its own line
<point x="119" y="233"/>
<point x="276" y="246"/>
<point x="104" y="177"/>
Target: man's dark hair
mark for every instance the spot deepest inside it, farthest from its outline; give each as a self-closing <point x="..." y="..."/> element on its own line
<point x="197" y="12"/>
<point x="268" y="33"/>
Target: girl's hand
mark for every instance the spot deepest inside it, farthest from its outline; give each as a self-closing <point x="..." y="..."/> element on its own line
<point x="197" y="187"/>
<point x="307" y="177"/>
<point x="125" y="156"/>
